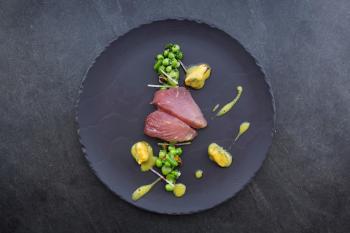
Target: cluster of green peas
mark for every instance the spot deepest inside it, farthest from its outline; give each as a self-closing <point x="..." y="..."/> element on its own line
<point x="168" y="62"/>
<point x="168" y="160"/>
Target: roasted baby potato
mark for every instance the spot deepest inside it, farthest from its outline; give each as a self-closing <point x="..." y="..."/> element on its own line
<point x="219" y="155"/>
<point x="141" y="151"/>
<point x="196" y="75"/>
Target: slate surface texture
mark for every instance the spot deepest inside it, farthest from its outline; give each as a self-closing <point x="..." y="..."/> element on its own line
<point x="46" y="48"/>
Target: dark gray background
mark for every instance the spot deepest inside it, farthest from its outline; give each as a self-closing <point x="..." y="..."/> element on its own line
<point x="46" y="48"/>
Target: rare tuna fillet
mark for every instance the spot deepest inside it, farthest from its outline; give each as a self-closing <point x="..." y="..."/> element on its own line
<point x="162" y="125"/>
<point x="179" y="103"/>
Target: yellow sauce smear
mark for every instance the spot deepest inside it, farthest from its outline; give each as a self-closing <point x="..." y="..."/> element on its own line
<point x="143" y="190"/>
<point x="179" y="190"/>
<point x="227" y="107"/>
<point x="242" y="129"/>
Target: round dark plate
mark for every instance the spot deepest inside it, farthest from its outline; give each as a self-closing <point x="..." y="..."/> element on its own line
<point x="115" y="100"/>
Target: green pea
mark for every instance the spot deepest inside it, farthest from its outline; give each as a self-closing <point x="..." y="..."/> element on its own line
<point x="179" y="55"/>
<point x="166" y="170"/>
<point x="171" y="147"/>
<point x="175" y="48"/>
<point x="169" y="187"/>
<point x="161" y="68"/>
<point x="173" y="152"/>
<point x="176" y="173"/>
<point x="179" y="151"/>
<point x="159" y="57"/>
<point x="174" y="74"/>
<point x="173" y="162"/>
<point x="168" y="69"/>
<point x="171" y="156"/>
<point x="159" y="163"/>
<point x="167" y="163"/>
<point x="171" y="177"/>
<point x="169" y="46"/>
<point x="162" y="154"/>
<point x="157" y="65"/>
<point x="171" y="55"/>
<point x="166" y="62"/>
<point x="166" y="52"/>
<point x="175" y="63"/>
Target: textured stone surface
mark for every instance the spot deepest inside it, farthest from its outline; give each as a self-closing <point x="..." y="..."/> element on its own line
<point x="46" y="48"/>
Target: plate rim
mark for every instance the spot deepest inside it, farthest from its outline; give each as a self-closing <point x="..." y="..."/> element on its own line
<point x="151" y="21"/>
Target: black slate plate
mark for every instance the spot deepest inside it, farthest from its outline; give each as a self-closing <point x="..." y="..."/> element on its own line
<point x="115" y="101"/>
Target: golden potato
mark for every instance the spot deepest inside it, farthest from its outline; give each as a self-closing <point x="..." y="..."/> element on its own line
<point x="196" y="75"/>
<point x="141" y="151"/>
<point x="219" y="155"/>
